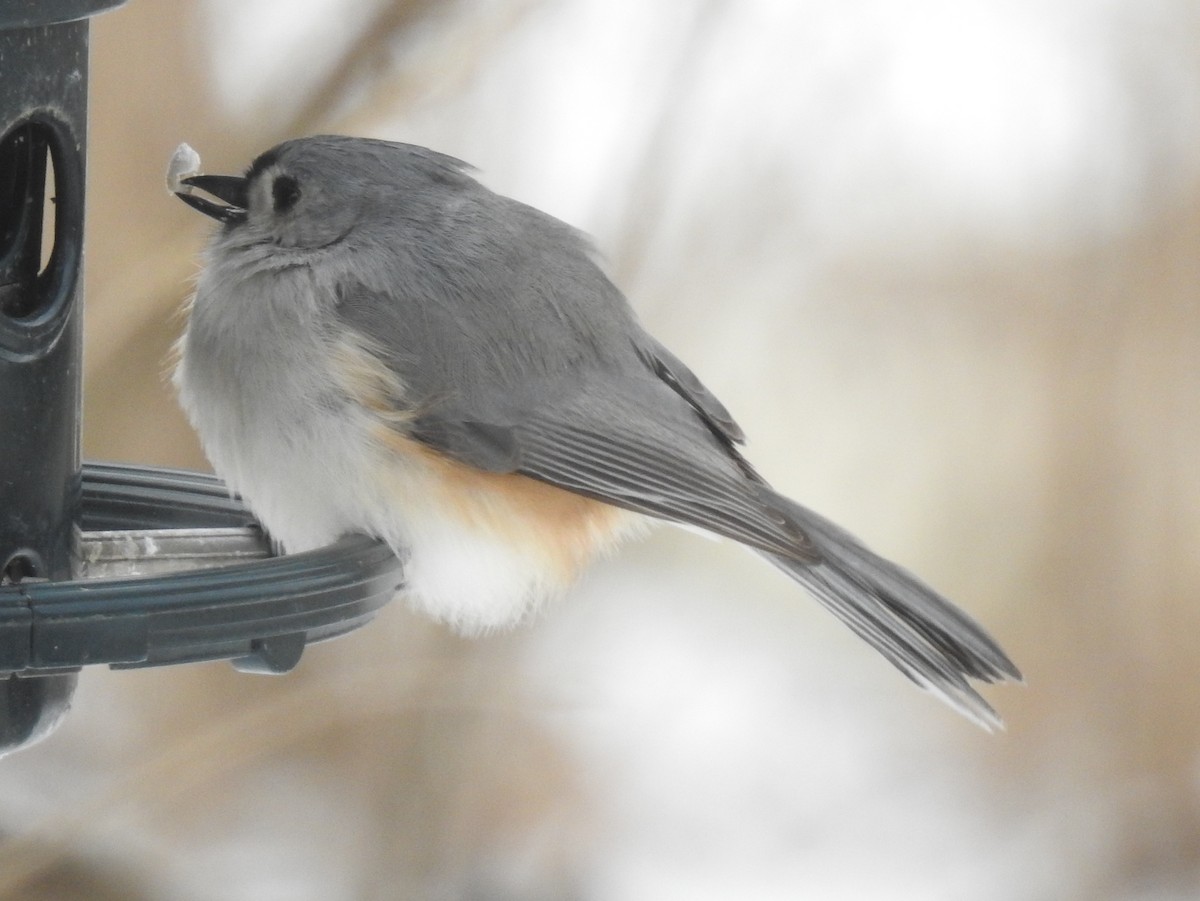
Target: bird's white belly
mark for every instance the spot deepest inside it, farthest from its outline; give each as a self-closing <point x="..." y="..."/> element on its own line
<point x="481" y="550"/>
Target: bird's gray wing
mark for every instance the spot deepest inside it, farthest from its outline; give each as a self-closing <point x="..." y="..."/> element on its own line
<point x="606" y="449"/>
<point x="627" y="447"/>
<point x="542" y="370"/>
<point x="640" y="432"/>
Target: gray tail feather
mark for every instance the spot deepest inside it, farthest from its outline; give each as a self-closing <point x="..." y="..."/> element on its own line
<point x="925" y="636"/>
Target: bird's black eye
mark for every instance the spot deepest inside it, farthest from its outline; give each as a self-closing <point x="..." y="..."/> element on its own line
<point x="286" y="191"/>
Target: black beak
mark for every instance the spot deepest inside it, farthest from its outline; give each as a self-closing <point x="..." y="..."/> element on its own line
<point x="229" y="188"/>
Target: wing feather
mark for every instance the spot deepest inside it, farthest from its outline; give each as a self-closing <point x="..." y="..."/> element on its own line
<point x="631" y="469"/>
<point x="594" y="405"/>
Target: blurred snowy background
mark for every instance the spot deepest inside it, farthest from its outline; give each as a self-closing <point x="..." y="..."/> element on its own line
<point x="941" y="259"/>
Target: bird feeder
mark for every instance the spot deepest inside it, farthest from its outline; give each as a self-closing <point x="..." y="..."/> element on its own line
<point x="128" y="566"/>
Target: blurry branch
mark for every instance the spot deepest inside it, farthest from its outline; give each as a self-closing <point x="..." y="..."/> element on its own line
<point x="367" y="59"/>
<point x="370" y="62"/>
<point x="651" y="183"/>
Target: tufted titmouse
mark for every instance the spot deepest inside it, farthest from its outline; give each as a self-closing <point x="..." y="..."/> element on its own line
<point x="380" y="344"/>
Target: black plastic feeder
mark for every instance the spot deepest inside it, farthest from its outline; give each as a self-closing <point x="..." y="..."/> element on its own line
<point x="122" y="565"/>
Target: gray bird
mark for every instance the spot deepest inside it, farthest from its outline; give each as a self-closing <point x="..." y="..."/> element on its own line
<point x="378" y="343"/>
